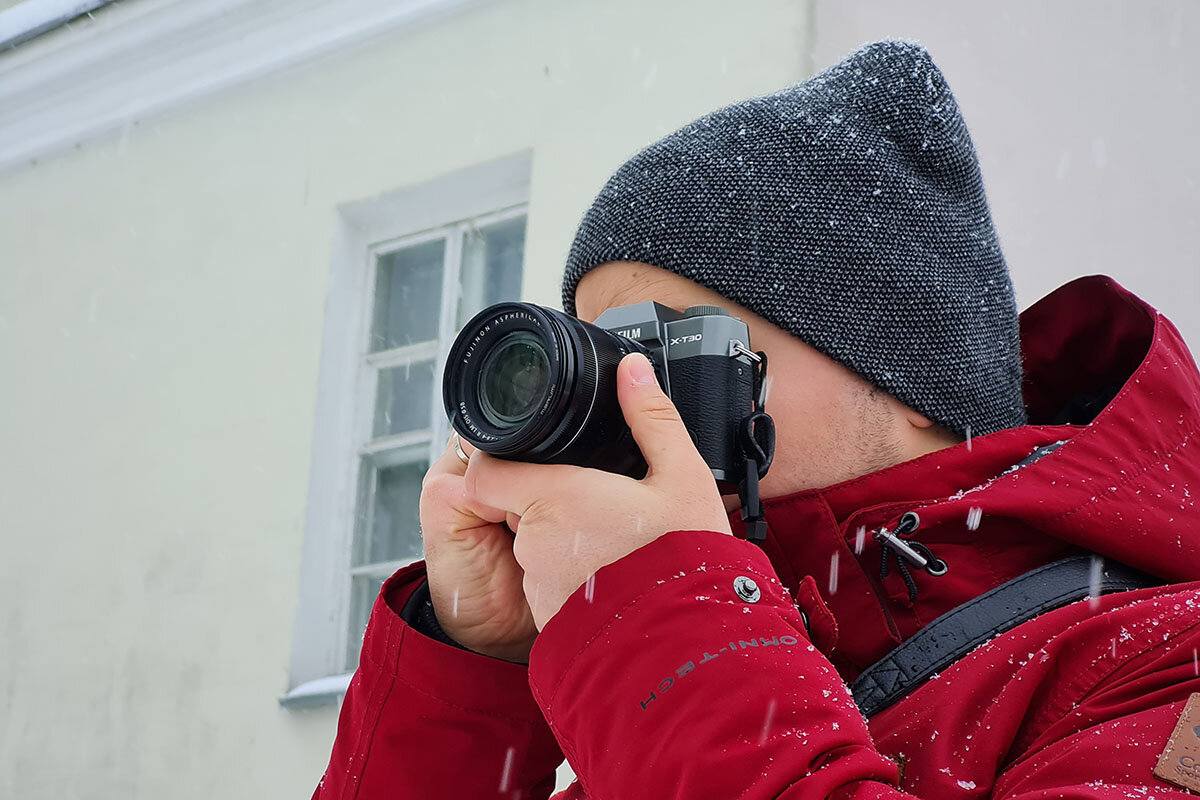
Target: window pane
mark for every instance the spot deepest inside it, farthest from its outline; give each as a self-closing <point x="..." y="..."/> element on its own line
<point x="408" y="295"/>
<point x="404" y="399"/>
<point x="492" y="257"/>
<point x="389" y="517"/>
<point x="363" y="591"/>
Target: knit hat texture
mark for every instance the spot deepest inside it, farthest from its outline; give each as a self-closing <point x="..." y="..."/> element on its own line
<point x="849" y="210"/>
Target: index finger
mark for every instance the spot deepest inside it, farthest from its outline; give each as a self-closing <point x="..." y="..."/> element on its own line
<point x="514" y="486"/>
<point x="449" y="461"/>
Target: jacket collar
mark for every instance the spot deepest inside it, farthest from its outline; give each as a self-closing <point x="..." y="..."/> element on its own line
<point x="1008" y="502"/>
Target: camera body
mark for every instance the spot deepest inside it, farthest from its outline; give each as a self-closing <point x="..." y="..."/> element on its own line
<point x="701" y="367"/>
<point x="529" y="383"/>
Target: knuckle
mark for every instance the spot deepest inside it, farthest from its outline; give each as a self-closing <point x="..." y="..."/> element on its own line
<point x="441" y="467"/>
<point x="430" y="478"/>
<point x="429" y="506"/>
<point x="432" y="486"/>
<point x="661" y="410"/>
<point x="540" y="513"/>
<point x="471" y="480"/>
<point x="520" y="549"/>
<point x="536" y="510"/>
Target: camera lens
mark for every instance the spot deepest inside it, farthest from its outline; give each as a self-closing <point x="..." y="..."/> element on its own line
<point x="513" y="379"/>
<point x="530" y="383"/>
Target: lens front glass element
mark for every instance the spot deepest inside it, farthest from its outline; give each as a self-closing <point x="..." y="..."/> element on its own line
<point x="513" y="379"/>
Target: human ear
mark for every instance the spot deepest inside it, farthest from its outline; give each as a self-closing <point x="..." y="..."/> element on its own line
<point x="916" y="419"/>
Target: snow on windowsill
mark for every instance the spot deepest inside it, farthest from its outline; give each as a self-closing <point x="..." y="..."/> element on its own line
<point x="319" y="692"/>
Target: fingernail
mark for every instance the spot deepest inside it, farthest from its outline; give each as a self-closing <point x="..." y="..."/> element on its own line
<point x="641" y="371"/>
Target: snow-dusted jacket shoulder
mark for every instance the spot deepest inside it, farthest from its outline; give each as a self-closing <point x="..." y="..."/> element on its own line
<point x="667" y="681"/>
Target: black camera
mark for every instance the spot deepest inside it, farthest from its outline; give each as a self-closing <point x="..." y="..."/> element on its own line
<point x="529" y="383"/>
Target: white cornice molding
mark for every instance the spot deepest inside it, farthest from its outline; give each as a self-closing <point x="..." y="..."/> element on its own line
<point x="32" y="18"/>
<point x="142" y="57"/>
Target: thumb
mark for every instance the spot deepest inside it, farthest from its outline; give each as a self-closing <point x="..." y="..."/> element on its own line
<point x="652" y="417"/>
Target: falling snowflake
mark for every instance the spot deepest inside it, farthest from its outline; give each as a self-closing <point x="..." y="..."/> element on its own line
<point x="974" y="517"/>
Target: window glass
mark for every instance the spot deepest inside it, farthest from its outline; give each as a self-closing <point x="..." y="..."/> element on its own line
<point x="492" y="257"/>
<point x="389" y="519"/>
<point x="363" y="591"/>
<point x="404" y="398"/>
<point x="408" y="295"/>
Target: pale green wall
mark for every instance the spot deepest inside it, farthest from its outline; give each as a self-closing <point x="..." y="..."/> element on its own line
<point x="161" y="302"/>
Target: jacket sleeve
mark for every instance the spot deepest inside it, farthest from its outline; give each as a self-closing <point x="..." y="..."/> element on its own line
<point x="675" y="678"/>
<point x="423" y="718"/>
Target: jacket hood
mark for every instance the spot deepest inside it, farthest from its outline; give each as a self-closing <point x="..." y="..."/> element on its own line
<point x="1108" y="464"/>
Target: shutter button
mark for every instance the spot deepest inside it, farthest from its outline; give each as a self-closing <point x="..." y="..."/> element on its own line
<point x="746" y="589"/>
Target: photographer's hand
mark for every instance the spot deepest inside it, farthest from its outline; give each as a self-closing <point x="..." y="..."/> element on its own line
<point x="474" y="580"/>
<point x="572" y="521"/>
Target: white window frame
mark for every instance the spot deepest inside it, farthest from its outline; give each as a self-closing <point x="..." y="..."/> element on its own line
<point x="427" y="443"/>
<point x="346" y="391"/>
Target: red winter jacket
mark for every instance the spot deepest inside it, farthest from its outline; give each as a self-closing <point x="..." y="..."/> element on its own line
<point x="667" y="685"/>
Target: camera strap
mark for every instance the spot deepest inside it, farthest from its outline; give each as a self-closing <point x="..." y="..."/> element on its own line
<point x="756" y="442"/>
<point x="960" y="630"/>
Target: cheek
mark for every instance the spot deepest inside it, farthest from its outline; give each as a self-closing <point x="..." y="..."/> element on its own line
<point x="814" y="440"/>
<point x="805" y="407"/>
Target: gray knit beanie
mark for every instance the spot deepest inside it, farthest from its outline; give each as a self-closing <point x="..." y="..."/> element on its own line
<point x="848" y="210"/>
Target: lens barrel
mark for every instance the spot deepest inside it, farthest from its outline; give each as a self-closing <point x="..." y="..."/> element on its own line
<point x="529" y="383"/>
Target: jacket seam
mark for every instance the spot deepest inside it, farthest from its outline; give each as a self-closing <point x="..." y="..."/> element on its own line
<point x="395" y="673"/>
<point x="610" y="621"/>
<point x="1133" y="477"/>
<point x="564" y="743"/>
<point x="784" y="559"/>
<point x="879" y="590"/>
<point x="377" y="696"/>
<point x="466" y="709"/>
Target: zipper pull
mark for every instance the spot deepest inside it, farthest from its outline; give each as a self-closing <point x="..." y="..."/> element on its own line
<point x="911" y="551"/>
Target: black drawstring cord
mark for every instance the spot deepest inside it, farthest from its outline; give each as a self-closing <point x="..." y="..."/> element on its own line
<point x="907" y="550"/>
<point x="756" y="440"/>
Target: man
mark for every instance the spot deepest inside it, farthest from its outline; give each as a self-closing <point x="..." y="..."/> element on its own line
<point x="844" y="220"/>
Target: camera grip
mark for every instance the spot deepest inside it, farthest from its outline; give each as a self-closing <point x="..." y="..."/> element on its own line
<point x="713" y="394"/>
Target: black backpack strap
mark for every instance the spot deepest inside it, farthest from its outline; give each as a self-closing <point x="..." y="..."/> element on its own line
<point x="960" y="630"/>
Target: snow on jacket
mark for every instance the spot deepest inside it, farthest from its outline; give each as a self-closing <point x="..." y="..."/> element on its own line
<point x="663" y="683"/>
